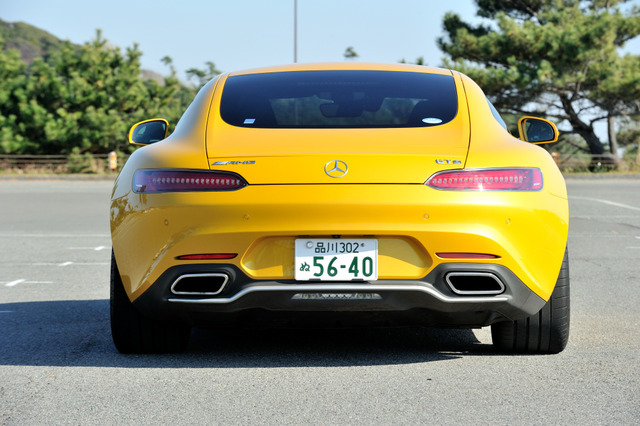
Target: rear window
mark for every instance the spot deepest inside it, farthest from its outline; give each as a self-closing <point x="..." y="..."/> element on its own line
<point x="339" y="99"/>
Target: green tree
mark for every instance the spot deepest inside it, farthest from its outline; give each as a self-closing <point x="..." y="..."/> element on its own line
<point x="12" y="79"/>
<point x="83" y="99"/>
<point x="350" y="53"/>
<point x="419" y="61"/>
<point x="168" y="99"/>
<point x="555" y="58"/>
<point x="86" y="97"/>
<point x="202" y="76"/>
<point x="629" y="138"/>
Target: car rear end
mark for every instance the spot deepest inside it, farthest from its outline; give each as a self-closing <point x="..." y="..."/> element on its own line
<point x="330" y="217"/>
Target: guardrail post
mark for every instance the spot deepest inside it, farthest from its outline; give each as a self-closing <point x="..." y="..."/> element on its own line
<point x="113" y="161"/>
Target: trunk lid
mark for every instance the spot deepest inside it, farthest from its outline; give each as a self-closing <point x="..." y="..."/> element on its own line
<point x="322" y="156"/>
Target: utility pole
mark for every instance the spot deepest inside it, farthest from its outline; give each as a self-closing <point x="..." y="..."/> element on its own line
<point x="295" y="31"/>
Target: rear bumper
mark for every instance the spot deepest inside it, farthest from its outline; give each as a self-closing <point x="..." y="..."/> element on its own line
<point x="413" y="223"/>
<point x="428" y="301"/>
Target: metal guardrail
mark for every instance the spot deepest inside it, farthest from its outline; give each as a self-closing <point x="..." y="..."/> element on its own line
<point x="25" y="160"/>
<point x="97" y="163"/>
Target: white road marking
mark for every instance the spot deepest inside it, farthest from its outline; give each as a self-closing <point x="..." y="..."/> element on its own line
<point x="597" y="234"/>
<point x="99" y="248"/>
<point x="23" y="281"/>
<point x="608" y="216"/>
<point x="6" y="235"/>
<point x="611" y="203"/>
<point x="62" y="264"/>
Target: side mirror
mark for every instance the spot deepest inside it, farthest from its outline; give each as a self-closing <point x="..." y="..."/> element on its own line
<point x="537" y="130"/>
<point x="148" y="131"/>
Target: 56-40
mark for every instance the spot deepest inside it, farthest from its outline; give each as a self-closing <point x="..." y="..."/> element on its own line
<point x="328" y="266"/>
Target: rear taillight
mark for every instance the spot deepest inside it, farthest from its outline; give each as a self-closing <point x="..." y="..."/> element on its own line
<point x="513" y="179"/>
<point x="207" y="256"/>
<point x="471" y="256"/>
<point x="151" y="181"/>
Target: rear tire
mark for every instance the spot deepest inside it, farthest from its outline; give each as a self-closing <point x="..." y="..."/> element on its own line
<point x="546" y="332"/>
<point x="133" y="332"/>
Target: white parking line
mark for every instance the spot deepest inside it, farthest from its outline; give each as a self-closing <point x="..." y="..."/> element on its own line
<point x="24" y="281"/>
<point x="611" y="203"/>
<point x="598" y="235"/>
<point x="7" y="235"/>
<point x="62" y="264"/>
<point x="99" y="248"/>
<point x="607" y="216"/>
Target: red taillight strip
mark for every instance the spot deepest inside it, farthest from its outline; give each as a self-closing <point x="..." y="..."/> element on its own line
<point x="153" y="181"/>
<point x="503" y="179"/>
<point x="207" y="256"/>
<point x="467" y="256"/>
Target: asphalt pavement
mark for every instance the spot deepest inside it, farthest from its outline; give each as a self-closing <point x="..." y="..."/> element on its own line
<point x="58" y="364"/>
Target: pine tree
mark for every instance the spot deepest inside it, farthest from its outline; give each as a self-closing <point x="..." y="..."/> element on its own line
<point x="554" y="58"/>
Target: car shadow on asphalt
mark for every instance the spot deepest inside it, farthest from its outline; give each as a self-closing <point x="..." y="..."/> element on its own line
<point x="77" y="333"/>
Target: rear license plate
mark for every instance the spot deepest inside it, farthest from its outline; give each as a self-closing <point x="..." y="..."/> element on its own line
<point x="327" y="259"/>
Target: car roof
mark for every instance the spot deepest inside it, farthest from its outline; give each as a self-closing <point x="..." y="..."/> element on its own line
<point x="336" y="66"/>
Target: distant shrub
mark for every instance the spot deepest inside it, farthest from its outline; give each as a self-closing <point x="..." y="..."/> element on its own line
<point x="81" y="163"/>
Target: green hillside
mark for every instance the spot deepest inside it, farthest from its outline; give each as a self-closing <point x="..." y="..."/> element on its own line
<point x="32" y="42"/>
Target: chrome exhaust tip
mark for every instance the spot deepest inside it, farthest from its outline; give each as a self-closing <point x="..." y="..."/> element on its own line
<point x="474" y="283"/>
<point x="204" y="284"/>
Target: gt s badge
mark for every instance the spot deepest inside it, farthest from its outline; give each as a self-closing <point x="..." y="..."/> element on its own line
<point x="447" y="161"/>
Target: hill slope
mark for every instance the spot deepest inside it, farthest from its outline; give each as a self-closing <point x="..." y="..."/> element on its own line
<point x="32" y="42"/>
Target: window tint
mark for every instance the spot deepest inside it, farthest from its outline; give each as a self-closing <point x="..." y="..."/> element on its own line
<point x="339" y="99"/>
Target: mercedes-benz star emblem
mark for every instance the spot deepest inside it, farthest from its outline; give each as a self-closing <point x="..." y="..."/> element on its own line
<point x="336" y="168"/>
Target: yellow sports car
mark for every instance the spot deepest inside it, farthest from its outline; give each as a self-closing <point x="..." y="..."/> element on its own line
<point x="360" y="194"/>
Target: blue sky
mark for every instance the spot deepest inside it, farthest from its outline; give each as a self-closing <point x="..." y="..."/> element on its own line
<point x="240" y="34"/>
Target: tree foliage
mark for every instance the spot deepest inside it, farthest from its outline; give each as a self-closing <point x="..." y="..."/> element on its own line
<point x="201" y="77"/>
<point x="350" y="53"/>
<point x="82" y="97"/>
<point x="555" y="58"/>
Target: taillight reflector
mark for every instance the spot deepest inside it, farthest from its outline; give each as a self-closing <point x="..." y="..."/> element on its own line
<point x="513" y="179"/>
<point x="467" y="256"/>
<point x="207" y="256"/>
<point x="150" y="181"/>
